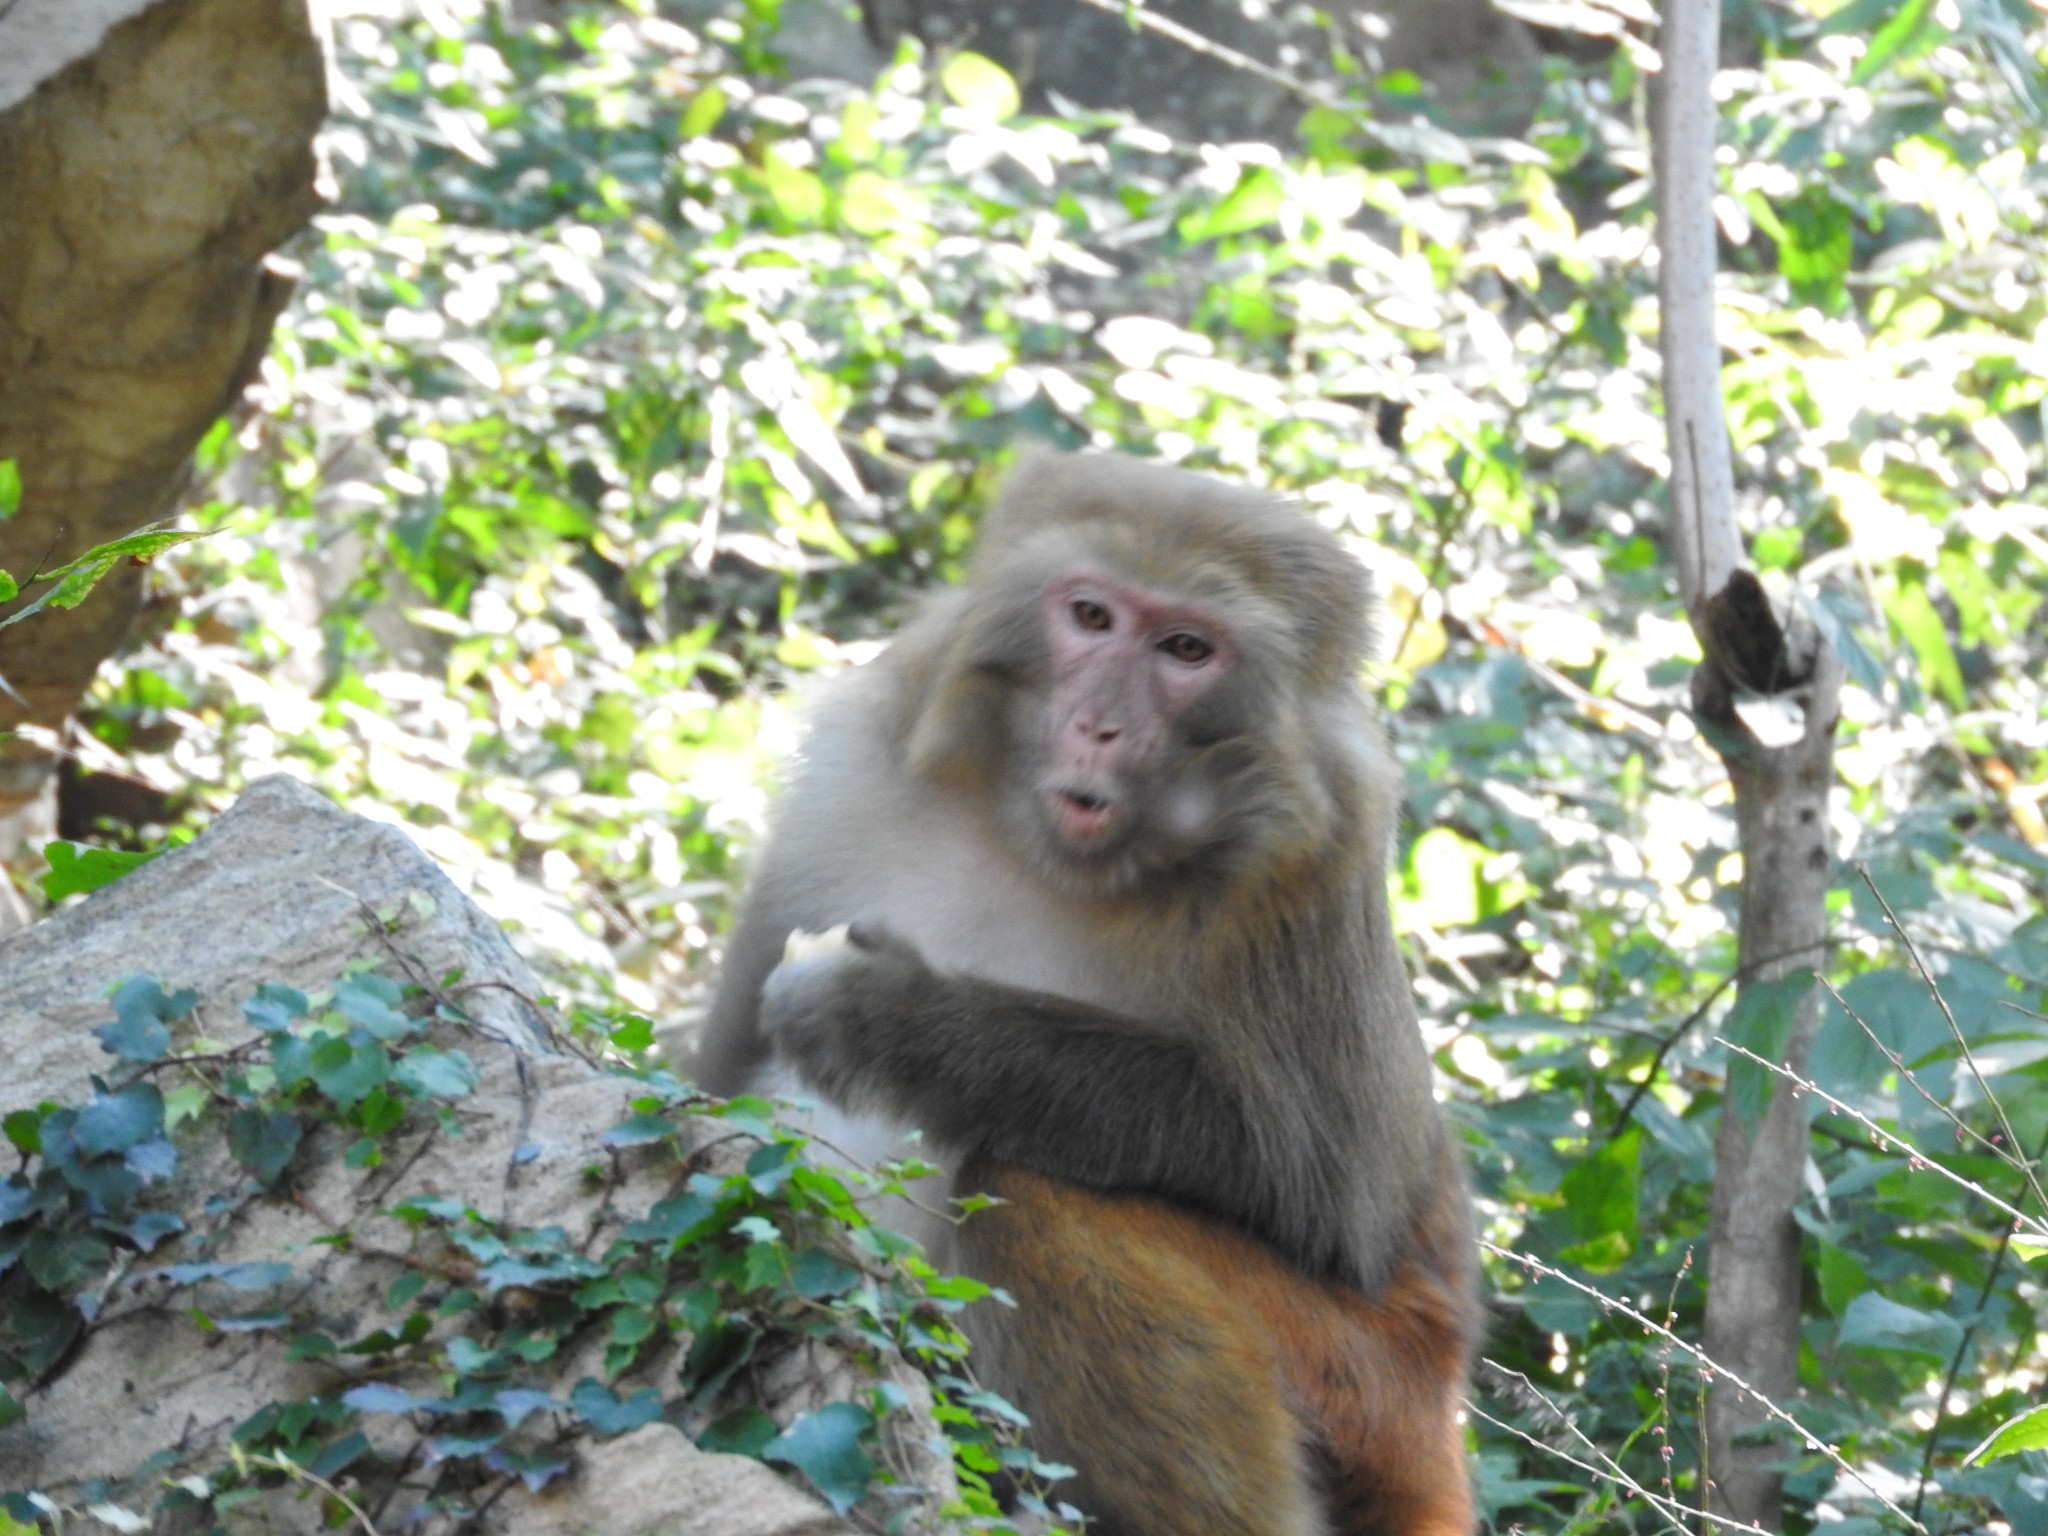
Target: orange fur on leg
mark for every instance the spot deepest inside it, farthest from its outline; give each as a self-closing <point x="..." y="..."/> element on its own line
<point x="1216" y="1389"/>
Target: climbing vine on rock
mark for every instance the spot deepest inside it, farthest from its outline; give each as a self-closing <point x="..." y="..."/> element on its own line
<point x="496" y="1347"/>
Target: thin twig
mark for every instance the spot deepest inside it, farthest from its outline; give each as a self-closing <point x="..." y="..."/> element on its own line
<point x="1955" y="1365"/>
<point x="1667" y="1509"/>
<point x="1963" y="1128"/>
<point x="292" y="1469"/>
<point x="1742" y="973"/>
<point x="1918" y="1158"/>
<point x="1969" y="1059"/>
<point x="1707" y="1364"/>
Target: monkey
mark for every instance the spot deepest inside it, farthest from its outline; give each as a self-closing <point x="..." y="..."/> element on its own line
<point x="1084" y="877"/>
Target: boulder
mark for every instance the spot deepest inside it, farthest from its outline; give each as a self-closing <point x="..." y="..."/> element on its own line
<point x="265" y="1294"/>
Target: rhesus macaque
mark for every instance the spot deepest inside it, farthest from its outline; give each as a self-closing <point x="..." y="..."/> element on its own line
<point x="1100" y="844"/>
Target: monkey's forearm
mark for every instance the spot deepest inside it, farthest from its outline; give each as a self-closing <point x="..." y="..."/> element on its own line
<point x="1048" y="1084"/>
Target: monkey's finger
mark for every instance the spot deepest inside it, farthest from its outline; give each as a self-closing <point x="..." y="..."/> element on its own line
<point x="804" y="945"/>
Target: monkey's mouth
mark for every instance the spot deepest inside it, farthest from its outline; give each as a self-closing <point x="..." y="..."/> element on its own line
<point x="1082" y="815"/>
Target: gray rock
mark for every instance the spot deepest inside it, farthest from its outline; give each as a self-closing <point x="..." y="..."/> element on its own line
<point x="286" y="888"/>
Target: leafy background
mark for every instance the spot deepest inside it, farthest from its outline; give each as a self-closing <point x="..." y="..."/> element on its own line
<point x="633" y="383"/>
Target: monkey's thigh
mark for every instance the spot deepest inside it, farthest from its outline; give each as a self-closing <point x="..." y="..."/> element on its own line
<point x="1378" y="1378"/>
<point x="1136" y="1364"/>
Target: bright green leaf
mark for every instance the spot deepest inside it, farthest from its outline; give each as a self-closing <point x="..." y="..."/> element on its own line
<point x="981" y="85"/>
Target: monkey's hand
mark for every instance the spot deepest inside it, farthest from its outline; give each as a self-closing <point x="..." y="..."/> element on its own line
<point x="820" y="1004"/>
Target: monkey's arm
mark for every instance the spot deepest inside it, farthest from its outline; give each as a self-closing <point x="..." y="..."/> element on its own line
<point x="1040" y="1082"/>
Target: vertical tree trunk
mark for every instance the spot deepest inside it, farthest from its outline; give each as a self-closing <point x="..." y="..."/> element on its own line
<point x="1766" y="691"/>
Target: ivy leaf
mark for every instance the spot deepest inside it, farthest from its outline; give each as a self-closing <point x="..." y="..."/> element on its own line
<point x="346" y="1071"/>
<point x="372" y="1001"/>
<point x="152" y="1160"/>
<point x="453" y="1447"/>
<point x="339" y="1456"/>
<point x="817" y="1274"/>
<point x="274" y="1007"/>
<point x="639" y="1130"/>
<point x="536" y="1469"/>
<point x="252" y="1276"/>
<point x="515" y="1403"/>
<point x="263" y="1142"/>
<point x="79" y="867"/>
<point x="673" y="1220"/>
<point x="142" y="1012"/>
<point x="743" y="1432"/>
<point x="24" y="1128"/>
<point x="599" y="1407"/>
<point x="769" y="1167"/>
<point x="149" y="1229"/>
<point x="138" y="1038"/>
<point x="824" y="1445"/>
<point x="436" y="1074"/>
<point x="61" y="1261"/>
<point x="145" y="994"/>
<point x="16" y="1199"/>
<point x="380" y="1397"/>
<point x="114" y="1122"/>
<point x="633" y="1033"/>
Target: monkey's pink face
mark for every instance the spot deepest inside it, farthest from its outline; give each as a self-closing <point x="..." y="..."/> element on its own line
<point x="1127" y="663"/>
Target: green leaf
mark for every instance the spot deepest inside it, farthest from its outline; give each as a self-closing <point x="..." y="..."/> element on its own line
<point x="114" y="1122"/>
<point x="10" y="589"/>
<point x="372" y="1001"/>
<point x="432" y="1073"/>
<point x="702" y="114"/>
<point x="633" y="1033"/>
<point x="1255" y="200"/>
<point x="1815" y="248"/>
<point x="78" y="867"/>
<point x="24" y="1127"/>
<point x="346" y="1071"/>
<point x="1920" y="623"/>
<point x="639" y="1130"/>
<point x="1878" y="1322"/>
<point x="1761" y="1021"/>
<point x="2028" y="1432"/>
<point x="1599" y="1193"/>
<point x="10" y="501"/>
<point x="599" y="1407"/>
<point x="743" y="1432"/>
<point x="273" y="1007"/>
<point x="824" y="1445"/>
<point x="76" y="580"/>
<point x="137" y="1038"/>
<point x="797" y="194"/>
<point x="672" y="1220"/>
<point x="981" y="85"/>
<point x="251" y="1276"/>
<point x="1910" y="32"/>
<point x="263" y="1142"/>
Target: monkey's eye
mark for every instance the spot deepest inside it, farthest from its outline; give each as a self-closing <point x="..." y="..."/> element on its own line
<point x="1090" y="614"/>
<point x="1192" y="649"/>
